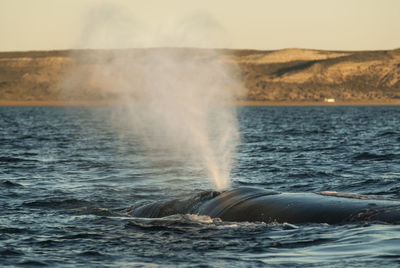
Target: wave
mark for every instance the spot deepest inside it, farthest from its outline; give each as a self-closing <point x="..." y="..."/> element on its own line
<point x="13" y="230"/>
<point x="32" y="263"/>
<point x="375" y="157"/>
<point x="192" y="222"/>
<point x="388" y="133"/>
<point x="52" y="203"/>
<point x="99" y="211"/>
<point x="10" y="184"/>
<point x="10" y="252"/>
<point x="7" y="159"/>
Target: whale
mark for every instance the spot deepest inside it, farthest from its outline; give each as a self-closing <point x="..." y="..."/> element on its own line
<point x="248" y="204"/>
<point x="258" y="205"/>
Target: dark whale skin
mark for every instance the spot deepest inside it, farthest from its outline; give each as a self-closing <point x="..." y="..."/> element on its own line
<point x="259" y="205"/>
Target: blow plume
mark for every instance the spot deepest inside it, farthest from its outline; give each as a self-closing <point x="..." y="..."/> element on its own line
<point x="178" y="101"/>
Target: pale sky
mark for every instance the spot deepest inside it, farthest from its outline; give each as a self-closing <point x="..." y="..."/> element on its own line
<point x="253" y="24"/>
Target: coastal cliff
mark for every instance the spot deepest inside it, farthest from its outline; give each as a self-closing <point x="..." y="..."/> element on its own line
<point x="289" y="75"/>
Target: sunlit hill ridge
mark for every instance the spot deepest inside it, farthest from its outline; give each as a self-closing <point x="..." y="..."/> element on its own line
<point x="289" y="75"/>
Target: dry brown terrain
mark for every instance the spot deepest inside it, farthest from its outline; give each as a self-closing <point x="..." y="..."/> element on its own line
<point x="281" y="77"/>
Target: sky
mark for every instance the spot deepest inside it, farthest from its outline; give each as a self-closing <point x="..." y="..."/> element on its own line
<point x="251" y="24"/>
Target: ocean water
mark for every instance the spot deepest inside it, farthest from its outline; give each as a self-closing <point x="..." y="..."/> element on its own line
<point x="70" y="179"/>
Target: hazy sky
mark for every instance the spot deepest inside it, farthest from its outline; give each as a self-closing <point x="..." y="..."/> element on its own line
<point x="258" y="24"/>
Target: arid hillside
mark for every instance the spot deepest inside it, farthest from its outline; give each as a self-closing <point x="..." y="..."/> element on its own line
<point x="289" y="75"/>
<point x="312" y="75"/>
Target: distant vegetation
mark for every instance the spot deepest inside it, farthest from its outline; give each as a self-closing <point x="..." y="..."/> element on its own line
<point x="293" y="75"/>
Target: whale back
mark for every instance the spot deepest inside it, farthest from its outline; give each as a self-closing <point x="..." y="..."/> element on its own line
<point x="229" y="200"/>
<point x="252" y="205"/>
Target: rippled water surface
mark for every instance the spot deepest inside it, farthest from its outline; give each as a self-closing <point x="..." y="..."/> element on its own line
<point x="69" y="180"/>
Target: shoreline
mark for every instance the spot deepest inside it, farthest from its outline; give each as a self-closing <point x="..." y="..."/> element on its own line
<point x="319" y="103"/>
<point x="240" y="103"/>
<point x="56" y="103"/>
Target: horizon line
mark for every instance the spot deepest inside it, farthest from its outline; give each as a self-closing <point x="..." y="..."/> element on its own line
<point x="188" y="47"/>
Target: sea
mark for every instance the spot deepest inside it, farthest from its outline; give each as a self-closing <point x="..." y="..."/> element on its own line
<point x="70" y="179"/>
